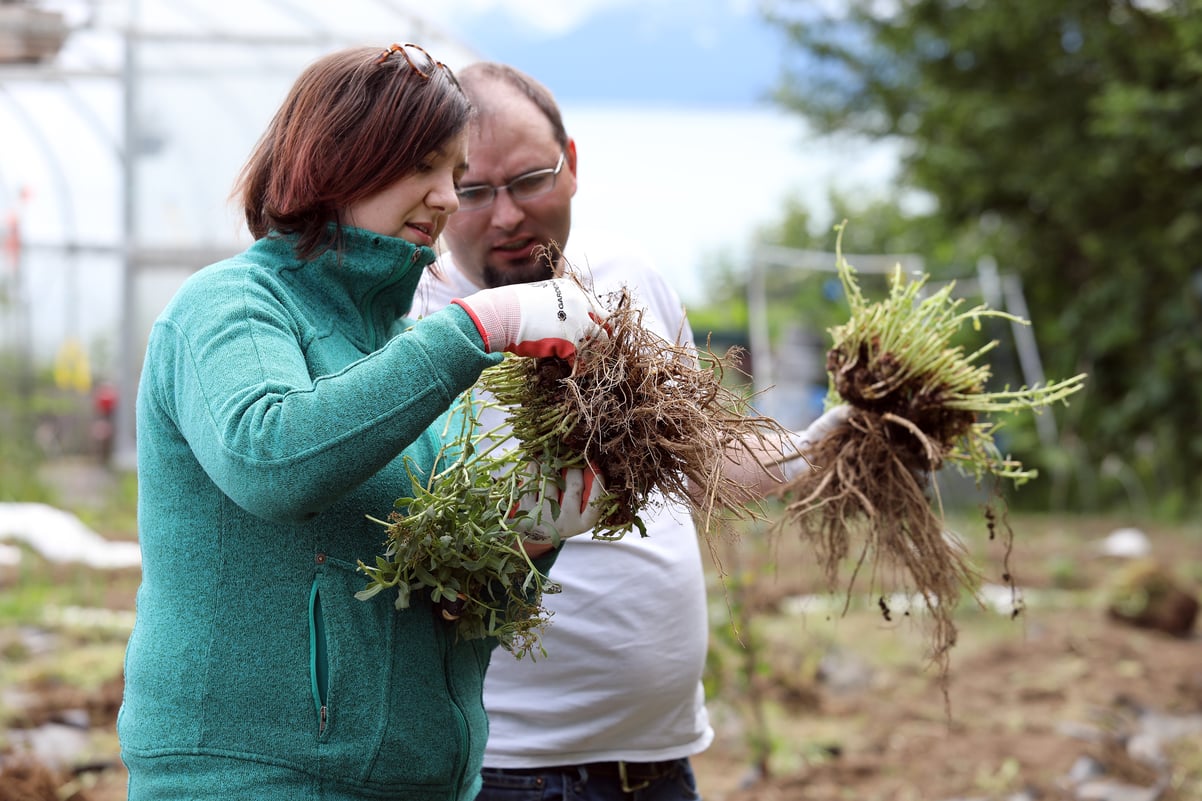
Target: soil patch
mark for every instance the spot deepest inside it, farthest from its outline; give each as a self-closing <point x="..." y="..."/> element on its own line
<point x="1032" y="701"/>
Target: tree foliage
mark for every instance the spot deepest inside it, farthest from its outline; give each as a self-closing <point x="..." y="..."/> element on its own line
<point x="1066" y="135"/>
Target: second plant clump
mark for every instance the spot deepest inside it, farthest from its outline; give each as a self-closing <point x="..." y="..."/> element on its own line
<point x="653" y="419"/>
<point x="918" y="401"/>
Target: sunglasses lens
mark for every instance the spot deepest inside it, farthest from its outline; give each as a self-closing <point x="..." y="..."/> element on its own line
<point x="415" y="56"/>
<point x="419" y="59"/>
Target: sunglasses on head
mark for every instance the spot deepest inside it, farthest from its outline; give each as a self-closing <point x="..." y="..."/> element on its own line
<point x="424" y="63"/>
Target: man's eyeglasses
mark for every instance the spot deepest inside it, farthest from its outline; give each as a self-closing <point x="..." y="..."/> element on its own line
<point x="524" y="187"/>
<point x="424" y="65"/>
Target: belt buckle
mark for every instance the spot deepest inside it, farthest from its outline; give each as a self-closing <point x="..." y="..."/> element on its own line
<point x="625" y="780"/>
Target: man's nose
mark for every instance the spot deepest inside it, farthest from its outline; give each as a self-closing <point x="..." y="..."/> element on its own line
<point x="506" y="212"/>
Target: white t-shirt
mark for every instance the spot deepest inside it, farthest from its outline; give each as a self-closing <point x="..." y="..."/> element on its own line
<point x="626" y="644"/>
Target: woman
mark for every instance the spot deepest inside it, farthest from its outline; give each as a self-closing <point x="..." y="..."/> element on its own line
<point x="283" y="399"/>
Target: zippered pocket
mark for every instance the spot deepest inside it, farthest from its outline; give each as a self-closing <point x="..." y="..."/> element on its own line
<point x="319" y="660"/>
<point x="385" y="677"/>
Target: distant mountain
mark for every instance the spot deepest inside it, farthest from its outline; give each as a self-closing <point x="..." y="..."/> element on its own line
<point x="702" y="53"/>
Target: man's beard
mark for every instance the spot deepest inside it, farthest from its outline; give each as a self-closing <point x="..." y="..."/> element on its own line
<point x="539" y="269"/>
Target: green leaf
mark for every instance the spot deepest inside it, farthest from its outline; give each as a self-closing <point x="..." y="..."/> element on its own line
<point x="369" y="592"/>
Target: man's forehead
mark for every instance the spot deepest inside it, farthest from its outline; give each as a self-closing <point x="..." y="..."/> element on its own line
<point x="506" y="113"/>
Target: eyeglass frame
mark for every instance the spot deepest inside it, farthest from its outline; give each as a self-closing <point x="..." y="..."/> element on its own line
<point x="495" y="188"/>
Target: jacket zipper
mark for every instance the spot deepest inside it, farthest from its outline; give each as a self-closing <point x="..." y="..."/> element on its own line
<point x="318" y="667"/>
<point x="369" y="306"/>
<point x="369" y="318"/>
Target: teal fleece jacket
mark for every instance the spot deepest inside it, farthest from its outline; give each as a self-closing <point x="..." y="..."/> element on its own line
<point x="278" y="402"/>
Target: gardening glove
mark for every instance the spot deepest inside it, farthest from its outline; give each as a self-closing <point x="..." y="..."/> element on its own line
<point x="802" y="441"/>
<point x="565" y="511"/>
<point x="545" y="318"/>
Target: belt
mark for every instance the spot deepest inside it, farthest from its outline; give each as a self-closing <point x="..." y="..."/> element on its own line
<point x="633" y="775"/>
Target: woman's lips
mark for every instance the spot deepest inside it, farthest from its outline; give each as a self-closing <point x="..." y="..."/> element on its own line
<point x="423" y="233"/>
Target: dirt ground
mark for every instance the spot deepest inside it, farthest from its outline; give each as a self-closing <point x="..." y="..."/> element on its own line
<point x="1014" y="709"/>
<point x="848" y="707"/>
<point x="1031" y="702"/>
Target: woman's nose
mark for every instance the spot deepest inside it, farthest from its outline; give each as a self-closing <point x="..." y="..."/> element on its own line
<point x="444" y="198"/>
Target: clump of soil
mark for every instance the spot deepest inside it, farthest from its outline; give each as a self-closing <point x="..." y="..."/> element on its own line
<point x="912" y="419"/>
<point x="1145" y="593"/>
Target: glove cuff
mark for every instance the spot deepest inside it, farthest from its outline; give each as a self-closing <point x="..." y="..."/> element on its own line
<point x="495" y="313"/>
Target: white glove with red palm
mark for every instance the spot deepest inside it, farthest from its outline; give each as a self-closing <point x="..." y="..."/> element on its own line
<point x="558" y="512"/>
<point x="545" y="318"/>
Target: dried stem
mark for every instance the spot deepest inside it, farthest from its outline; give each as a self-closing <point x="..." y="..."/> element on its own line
<point x="659" y="425"/>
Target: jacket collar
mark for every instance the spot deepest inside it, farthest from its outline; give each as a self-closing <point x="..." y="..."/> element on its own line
<point x="368" y="266"/>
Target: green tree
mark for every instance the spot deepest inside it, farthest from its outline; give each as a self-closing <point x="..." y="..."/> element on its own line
<point x="1065" y="136"/>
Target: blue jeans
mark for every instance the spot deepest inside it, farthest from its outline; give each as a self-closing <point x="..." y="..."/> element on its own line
<point x="674" y="782"/>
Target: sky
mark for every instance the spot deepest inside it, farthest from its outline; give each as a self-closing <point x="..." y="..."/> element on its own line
<point x="681" y="151"/>
<point x="662" y="52"/>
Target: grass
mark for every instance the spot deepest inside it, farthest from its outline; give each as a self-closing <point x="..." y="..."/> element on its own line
<point x="63" y="622"/>
<point x="29" y="590"/>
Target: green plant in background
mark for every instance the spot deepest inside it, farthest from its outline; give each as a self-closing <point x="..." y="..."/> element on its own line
<point x="19" y="473"/>
<point x="19" y="454"/>
<point x="1065" y="573"/>
<point x="40" y="421"/>
<point x="759" y="668"/>
<point x="1110" y="91"/>
<point x="1007" y="778"/>
<point x="115" y="513"/>
<point x="736" y="662"/>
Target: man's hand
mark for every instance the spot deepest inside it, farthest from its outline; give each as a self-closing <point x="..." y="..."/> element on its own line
<point x="803" y="441"/>
<point x="562" y="512"/>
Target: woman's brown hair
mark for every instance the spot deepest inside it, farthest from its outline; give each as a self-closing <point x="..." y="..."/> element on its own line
<point x="355" y="121"/>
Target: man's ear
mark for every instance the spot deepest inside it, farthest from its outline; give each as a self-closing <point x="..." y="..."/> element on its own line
<point x="571" y="159"/>
<point x="570" y="149"/>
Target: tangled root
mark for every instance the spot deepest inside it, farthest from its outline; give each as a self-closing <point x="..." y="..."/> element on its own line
<point x="870" y="481"/>
<point x="655" y="420"/>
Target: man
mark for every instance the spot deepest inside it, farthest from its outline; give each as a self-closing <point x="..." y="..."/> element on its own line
<point x="617" y="703"/>
<point x="616" y="706"/>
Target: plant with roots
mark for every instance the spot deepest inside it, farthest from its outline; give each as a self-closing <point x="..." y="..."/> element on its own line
<point x="918" y="402"/>
<point x="657" y="424"/>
